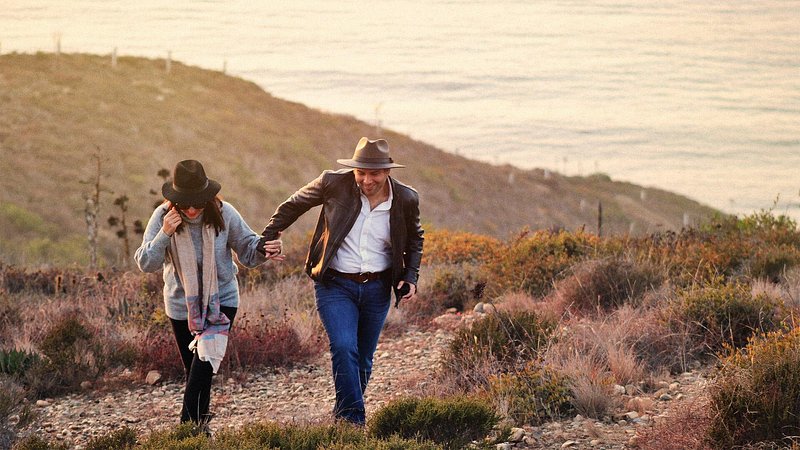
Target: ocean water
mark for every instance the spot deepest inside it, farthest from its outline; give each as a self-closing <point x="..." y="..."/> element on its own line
<point x="700" y="98"/>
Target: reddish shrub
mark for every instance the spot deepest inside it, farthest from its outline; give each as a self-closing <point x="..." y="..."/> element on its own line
<point x="262" y="344"/>
<point x="157" y="350"/>
<point x="685" y="429"/>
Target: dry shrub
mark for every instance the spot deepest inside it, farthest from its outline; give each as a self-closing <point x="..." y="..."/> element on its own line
<point x="601" y="285"/>
<point x="291" y="300"/>
<point x="533" y="262"/>
<point x="498" y="341"/>
<point x="450" y="286"/>
<point x="456" y="247"/>
<point x="756" y="397"/>
<point x="609" y="342"/>
<point x="532" y="395"/>
<point x="591" y="386"/>
<point x="665" y="340"/>
<point x="685" y="429"/>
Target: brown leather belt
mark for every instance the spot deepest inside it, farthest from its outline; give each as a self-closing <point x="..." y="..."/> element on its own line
<point x="358" y="277"/>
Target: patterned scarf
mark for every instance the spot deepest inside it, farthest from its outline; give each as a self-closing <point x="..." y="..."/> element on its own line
<point x="206" y="322"/>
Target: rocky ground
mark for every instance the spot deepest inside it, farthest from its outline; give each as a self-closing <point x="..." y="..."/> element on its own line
<point x="403" y="365"/>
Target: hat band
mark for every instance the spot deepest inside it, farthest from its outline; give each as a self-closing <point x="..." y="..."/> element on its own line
<point x="375" y="159"/>
<point x="189" y="191"/>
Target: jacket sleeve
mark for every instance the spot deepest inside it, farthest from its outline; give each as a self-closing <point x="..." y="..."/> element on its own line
<point x="413" y="250"/>
<point x="288" y="212"/>
<point x="241" y="238"/>
<point x="150" y="255"/>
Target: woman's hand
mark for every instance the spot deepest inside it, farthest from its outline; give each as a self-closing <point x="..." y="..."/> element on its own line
<point x="171" y="221"/>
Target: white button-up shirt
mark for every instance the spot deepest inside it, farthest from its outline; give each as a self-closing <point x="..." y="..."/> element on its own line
<point x="367" y="247"/>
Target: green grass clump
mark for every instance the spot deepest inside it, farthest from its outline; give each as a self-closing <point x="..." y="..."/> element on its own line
<point x="451" y="422"/>
<point x="533" y="395"/>
<point x="17" y="362"/>
<point x="756" y="397"/>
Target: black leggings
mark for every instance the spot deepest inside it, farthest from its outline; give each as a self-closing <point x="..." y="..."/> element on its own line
<point x="197" y="394"/>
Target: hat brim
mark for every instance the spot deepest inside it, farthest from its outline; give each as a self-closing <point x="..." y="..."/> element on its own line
<point x="364" y="165"/>
<point x="206" y="195"/>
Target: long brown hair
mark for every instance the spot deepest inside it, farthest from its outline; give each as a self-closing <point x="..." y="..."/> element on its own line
<point x="212" y="214"/>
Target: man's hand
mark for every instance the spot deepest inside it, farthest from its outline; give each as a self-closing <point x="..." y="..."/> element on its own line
<point x="412" y="290"/>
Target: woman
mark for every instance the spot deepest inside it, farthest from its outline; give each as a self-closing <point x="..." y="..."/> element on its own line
<point x="191" y="235"/>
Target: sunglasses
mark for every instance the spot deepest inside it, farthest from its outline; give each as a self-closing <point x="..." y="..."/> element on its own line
<point x="185" y="206"/>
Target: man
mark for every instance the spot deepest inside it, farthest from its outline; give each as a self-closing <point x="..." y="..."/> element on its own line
<point x="368" y="240"/>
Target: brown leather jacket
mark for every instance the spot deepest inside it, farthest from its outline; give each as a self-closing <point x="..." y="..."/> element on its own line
<point x="339" y="196"/>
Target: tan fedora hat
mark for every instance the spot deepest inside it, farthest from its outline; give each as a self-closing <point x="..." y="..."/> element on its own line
<point x="370" y="154"/>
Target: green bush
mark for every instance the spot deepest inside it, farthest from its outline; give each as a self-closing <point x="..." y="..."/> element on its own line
<point x="392" y="443"/>
<point x="298" y="437"/>
<point x="727" y="313"/>
<point x="756" y="396"/>
<point x="452" y="422"/>
<point x="186" y="436"/>
<point x="72" y="354"/>
<point x="122" y="439"/>
<point x="533" y="395"/>
<point x="498" y="341"/>
<point x="34" y="442"/>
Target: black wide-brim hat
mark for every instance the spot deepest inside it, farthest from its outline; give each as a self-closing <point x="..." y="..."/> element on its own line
<point x="190" y="185"/>
<point x="370" y="155"/>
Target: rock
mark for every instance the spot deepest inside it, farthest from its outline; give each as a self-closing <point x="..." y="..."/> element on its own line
<point x="153" y="377"/>
<point x="674" y="386"/>
<point x="630" y="415"/>
<point x="633" y="442"/>
<point x="568" y="444"/>
<point x="448" y="321"/>
<point x="86" y="385"/>
<point x="595" y="442"/>
<point x="517" y="434"/>
<point x="504" y="446"/>
<point x="619" y="389"/>
<point x="665" y="397"/>
<point x="42" y="403"/>
<point x="132" y="420"/>
<point x="478" y="308"/>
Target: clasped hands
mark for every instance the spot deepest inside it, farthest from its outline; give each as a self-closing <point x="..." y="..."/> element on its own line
<point x="271" y="249"/>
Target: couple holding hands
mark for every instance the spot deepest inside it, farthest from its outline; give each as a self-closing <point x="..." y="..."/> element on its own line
<point x="367" y="243"/>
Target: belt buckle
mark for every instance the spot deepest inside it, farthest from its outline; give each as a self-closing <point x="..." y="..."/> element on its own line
<point x="363" y="277"/>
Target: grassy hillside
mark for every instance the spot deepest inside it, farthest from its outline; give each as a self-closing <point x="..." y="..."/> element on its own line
<point x="56" y="111"/>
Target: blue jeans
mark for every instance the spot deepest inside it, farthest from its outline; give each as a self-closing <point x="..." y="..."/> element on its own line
<point x="353" y="314"/>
